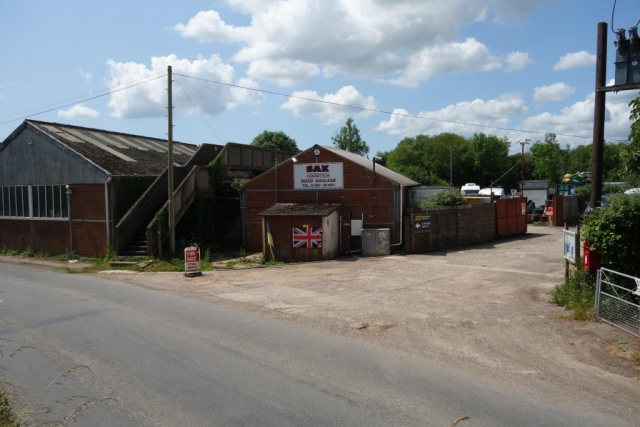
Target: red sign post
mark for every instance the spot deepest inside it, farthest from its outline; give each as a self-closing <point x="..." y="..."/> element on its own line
<point x="192" y="261"/>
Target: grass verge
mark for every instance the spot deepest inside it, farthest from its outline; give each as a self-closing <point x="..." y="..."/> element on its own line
<point x="6" y="416"/>
<point x="577" y="293"/>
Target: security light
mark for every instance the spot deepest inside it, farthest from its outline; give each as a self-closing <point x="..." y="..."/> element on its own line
<point x="294" y="160"/>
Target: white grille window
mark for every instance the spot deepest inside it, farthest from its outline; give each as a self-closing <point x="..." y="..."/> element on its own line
<point x="41" y="201"/>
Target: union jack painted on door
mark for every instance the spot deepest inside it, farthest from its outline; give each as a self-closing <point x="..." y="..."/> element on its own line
<point x="307" y="237"/>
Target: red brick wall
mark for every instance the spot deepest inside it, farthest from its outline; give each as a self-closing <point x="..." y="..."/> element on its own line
<point x="52" y="236"/>
<point x="87" y="201"/>
<point x="15" y="234"/>
<point x="375" y="201"/>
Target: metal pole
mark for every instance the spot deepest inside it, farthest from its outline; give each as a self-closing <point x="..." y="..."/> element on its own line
<point x="522" y="172"/>
<point x="599" y="116"/>
<point x="451" y="165"/>
<point x="172" y="218"/>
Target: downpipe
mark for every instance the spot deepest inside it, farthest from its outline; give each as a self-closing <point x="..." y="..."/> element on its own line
<point x="401" y="216"/>
<point x="106" y="204"/>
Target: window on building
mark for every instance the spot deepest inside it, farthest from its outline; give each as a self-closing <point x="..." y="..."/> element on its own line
<point x="46" y="201"/>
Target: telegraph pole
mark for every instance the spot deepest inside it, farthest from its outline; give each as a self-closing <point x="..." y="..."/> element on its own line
<point x="172" y="216"/>
<point x="451" y="165"/>
<point x="522" y="142"/>
<point x="598" y="117"/>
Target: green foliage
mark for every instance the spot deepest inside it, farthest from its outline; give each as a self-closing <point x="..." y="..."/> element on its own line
<point x="128" y="188"/>
<point x="279" y="140"/>
<point x="490" y="157"/>
<point x="27" y="253"/>
<point x="425" y="159"/>
<point x="548" y="160"/>
<point x="444" y="198"/>
<point x="6" y="251"/>
<point x="583" y="192"/>
<point x="577" y="293"/>
<point x="614" y="231"/>
<point x="348" y="139"/>
<point x="631" y="153"/>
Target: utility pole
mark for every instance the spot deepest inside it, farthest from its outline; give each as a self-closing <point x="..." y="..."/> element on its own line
<point x="172" y="208"/>
<point x="522" y="142"/>
<point x="598" y="117"/>
<point x="451" y="165"/>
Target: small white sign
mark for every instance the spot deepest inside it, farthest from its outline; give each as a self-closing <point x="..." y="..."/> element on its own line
<point x="570" y="246"/>
<point x="318" y="176"/>
<point x="191" y="260"/>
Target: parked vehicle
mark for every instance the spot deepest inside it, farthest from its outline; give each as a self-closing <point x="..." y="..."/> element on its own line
<point x="498" y="192"/>
<point x="470" y="189"/>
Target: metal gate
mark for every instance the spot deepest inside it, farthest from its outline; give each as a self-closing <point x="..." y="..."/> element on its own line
<point x="618" y="300"/>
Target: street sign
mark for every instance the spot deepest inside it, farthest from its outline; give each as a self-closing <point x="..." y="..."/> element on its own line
<point x="422" y="223"/>
<point x="192" y="261"/>
<point x="570" y="247"/>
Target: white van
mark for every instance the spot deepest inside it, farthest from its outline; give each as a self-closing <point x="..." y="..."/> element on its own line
<point x="469" y="189"/>
<point x="497" y="192"/>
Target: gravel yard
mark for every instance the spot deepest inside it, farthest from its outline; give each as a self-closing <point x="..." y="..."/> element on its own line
<point x="484" y="308"/>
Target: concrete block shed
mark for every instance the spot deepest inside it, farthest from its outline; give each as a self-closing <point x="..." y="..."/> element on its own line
<point x="324" y="175"/>
<point x="301" y="231"/>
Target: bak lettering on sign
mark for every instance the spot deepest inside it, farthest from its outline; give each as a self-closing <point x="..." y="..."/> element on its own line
<point x="318" y="176"/>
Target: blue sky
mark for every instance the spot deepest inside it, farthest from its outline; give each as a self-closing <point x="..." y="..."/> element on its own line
<point x="520" y="64"/>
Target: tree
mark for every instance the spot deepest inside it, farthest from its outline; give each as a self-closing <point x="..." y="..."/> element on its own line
<point x="279" y="140"/>
<point x="490" y="157"/>
<point x="426" y="159"/>
<point x="549" y="160"/>
<point x="631" y="153"/>
<point x="348" y="139"/>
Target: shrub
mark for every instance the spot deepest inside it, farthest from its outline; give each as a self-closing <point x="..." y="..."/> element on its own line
<point x="444" y="198"/>
<point x="577" y="293"/>
<point x="614" y="231"/>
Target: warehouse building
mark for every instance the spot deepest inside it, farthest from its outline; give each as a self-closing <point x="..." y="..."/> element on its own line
<point x="311" y="190"/>
<point x="65" y="187"/>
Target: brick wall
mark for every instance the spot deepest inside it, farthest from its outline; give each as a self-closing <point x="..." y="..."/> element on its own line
<point x="452" y="226"/>
<point x="477" y="224"/>
<point x="375" y="199"/>
<point x="52" y="236"/>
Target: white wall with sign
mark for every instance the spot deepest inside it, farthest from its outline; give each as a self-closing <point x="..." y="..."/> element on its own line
<point x="318" y="176"/>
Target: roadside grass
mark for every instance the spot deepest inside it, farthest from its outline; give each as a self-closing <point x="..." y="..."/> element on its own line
<point x="577" y="294"/>
<point x="626" y="354"/>
<point x="7" y="419"/>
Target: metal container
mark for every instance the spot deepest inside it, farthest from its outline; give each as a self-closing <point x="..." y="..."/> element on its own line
<point x="376" y="242"/>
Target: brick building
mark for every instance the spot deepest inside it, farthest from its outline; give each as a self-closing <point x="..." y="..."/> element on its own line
<point x="326" y="175"/>
<point x="65" y="187"/>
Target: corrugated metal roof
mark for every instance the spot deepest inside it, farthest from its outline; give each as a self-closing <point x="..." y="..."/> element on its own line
<point x="367" y="163"/>
<point x="301" y="209"/>
<point x="117" y="153"/>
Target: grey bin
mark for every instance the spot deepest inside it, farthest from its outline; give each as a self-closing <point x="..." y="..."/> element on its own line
<point x="376" y="242"/>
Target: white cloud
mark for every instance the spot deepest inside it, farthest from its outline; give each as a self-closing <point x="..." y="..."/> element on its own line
<point x="149" y="99"/>
<point x="575" y="60"/>
<point x="79" y="112"/>
<point x="327" y="113"/>
<point x="372" y="38"/>
<point x="493" y="112"/>
<point x="577" y="119"/>
<point x="518" y="60"/>
<point x="554" y="92"/>
<point x="87" y="76"/>
<point x="470" y="55"/>
<point x="283" y="72"/>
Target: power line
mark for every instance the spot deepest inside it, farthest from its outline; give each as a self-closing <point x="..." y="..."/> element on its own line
<point x="82" y="100"/>
<point x="392" y="113"/>
<point x="75" y="97"/>
<point x="198" y="111"/>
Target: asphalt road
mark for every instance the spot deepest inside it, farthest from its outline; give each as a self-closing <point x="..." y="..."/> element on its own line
<point x="111" y="354"/>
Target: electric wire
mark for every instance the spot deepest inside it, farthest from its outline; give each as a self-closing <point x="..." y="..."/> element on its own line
<point x="613" y="11"/>
<point x="392" y="113"/>
<point x="505" y="174"/>
<point x="76" y="97"/>
<point x="198" y="110"/>
<point x="82" y="100"/>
